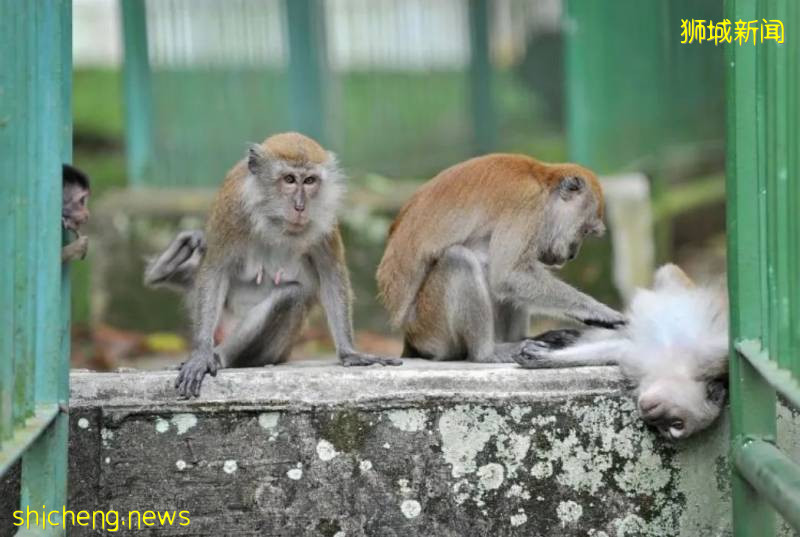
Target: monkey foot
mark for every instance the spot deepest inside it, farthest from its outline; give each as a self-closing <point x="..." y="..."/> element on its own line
<point x="192" y="373"/>
<point x="368" y="359"/>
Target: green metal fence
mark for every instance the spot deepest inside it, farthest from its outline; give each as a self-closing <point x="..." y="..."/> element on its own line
<point x="635" y="93"/>
<point x="35" y="138"/>
<point x="763" y="180"/>
<point x="378" y="81"/>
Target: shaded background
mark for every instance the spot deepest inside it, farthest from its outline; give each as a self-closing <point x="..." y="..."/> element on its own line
<point x="400" y="89"/>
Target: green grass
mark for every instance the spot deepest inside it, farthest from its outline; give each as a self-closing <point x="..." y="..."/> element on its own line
<point x="98" y="150"/>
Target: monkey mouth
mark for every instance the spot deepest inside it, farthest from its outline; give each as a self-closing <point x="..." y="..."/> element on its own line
<point x="296" y="226"/>
<point x="552" y="260"/>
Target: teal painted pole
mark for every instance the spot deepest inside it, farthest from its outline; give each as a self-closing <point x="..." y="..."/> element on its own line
<point x="44" y="465"/>
<point x="482" y="110"/>
<point x="10" y="115"/>
<point x="306" y="31"/>
<point x="138" y="92"/>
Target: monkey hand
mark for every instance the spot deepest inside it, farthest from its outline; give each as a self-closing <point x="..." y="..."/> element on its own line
<point x="76" y="249"/>
<point x="532" y="354"/>
<point x="558" y="339"/>
<point x="354" y="358"/>
<point x="602" y="317"/>
<point x="194" y="370"/>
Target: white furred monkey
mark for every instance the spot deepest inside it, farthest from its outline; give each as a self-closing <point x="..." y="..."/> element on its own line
<point x="674" y="348"/>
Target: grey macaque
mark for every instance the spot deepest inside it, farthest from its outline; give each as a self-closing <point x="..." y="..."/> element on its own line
<point x="271" y="250"/>
<point x="674" y="350"/>
<point x="74" y="211"/>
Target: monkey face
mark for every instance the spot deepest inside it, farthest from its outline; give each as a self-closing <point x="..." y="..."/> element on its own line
<point x="75" y="198"/>
<point x="295" y="196"/>
<point x="572" y="215"/>
<point x="680" y="406"/>
<point x="298" y="187"/>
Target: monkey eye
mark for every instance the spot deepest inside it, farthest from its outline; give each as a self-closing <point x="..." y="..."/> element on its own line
<point x="289" y="179"/>
<point x="310" y="180"/>
<point x="572" y="184"/>
<point x="676" y="424"/>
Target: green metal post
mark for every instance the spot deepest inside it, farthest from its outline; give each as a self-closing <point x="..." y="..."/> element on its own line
<point x="44" y="465"/>
<point x="773" y="475"/>
<point x="752" y="399"/>
<point x="306" y="31"/>
<point x="138" y="92"/>
<point x="615" y="104"/>
<point x="9" y="116"/>
<point x="482" y="110"/>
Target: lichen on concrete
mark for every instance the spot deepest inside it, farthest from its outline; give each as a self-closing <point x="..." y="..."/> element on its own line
<point x="452" y="450"/>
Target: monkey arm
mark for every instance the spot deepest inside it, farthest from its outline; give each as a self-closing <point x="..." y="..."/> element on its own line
<point x="76" y="249"/>
<point x="536" y="355"/>
<point x="335" y="296"/>
<point x="211" y="289"/>
<point x="210" y="292"/>
<point x="540" y="290"/>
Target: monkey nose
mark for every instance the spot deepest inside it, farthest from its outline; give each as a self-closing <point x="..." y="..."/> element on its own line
<point x="648" y="406"/>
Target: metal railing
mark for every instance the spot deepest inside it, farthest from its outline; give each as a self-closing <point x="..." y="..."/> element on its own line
<point x="763" y="187"/>
<point x="35" y="138"/>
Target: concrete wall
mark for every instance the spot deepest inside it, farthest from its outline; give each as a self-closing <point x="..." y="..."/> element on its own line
<point x="425" y="449"/>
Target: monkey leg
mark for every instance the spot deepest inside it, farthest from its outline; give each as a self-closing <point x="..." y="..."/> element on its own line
<point x="264" y="335"/>
<point x="267" y="332"/>
<point x="510" y="322"/>
<point x="454" y="315"/>
<point x="177" y="265"/>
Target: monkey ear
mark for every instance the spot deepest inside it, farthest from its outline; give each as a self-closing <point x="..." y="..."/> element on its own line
<point x="257" y="159"/>
<point x="671" y="275"/>
<point x="571" y="186"/>
<point x="716" y="391"/>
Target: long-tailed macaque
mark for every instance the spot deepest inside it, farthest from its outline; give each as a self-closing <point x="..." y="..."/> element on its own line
<point x="74" y="211"/>
<point x="469" y="257"/>
<point x="271" y="249"/>
<point x="674" y="349"/>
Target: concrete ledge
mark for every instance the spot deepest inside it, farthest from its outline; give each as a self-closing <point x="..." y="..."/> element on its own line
<point x="303" y="385"/>
<point x="426" y="449"/>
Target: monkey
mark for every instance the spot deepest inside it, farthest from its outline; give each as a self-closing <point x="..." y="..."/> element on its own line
<point x="271" y="249"/>
<point x="673" y="350"/>
<point x="74" y="211"/>
<point x="470" y="256"/>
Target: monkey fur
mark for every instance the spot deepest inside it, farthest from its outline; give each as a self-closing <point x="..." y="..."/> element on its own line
<point x="74" y="211"/>
<point x="674" y="349"/>
<point x="270" y="251"/>
<point x="469" y="257"/>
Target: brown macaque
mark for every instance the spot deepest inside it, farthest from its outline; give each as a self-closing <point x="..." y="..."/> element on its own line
<point x="470" y="257"/>
<point x="74" y="211"/>
<point x="270" y="251"/>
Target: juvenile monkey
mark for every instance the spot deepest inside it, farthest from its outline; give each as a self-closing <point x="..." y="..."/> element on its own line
<point x="74" y="210"/>
<point x="271" y="249"/>
<point x="469" y="257"/>
<point x="674" y="349"/>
